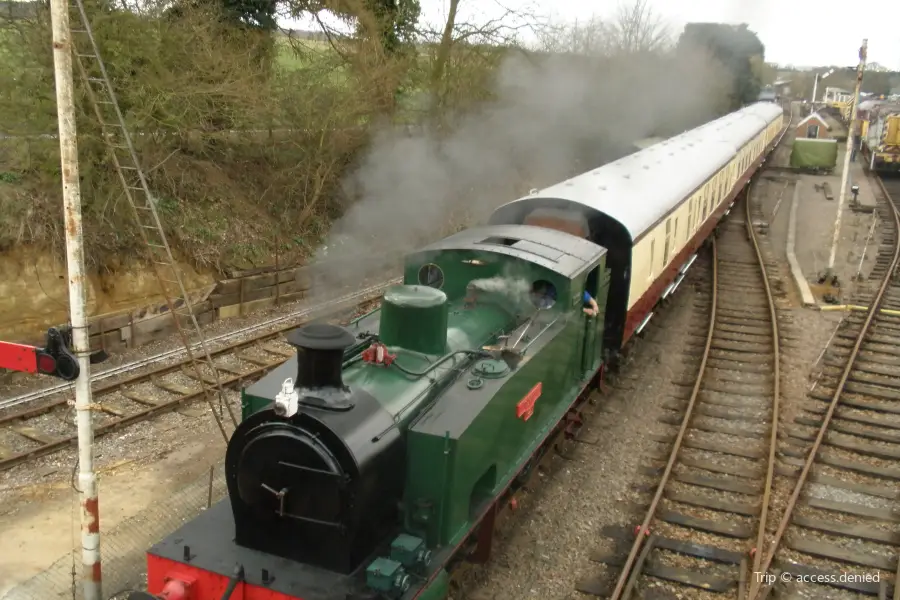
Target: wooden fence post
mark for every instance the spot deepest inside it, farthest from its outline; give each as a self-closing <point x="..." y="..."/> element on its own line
<point x="277" y="276"/>
<point x="241" y="298"/>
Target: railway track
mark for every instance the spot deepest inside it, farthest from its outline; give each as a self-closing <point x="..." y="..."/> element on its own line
<point x="132" y="396"/>
<point x="258" y="329"/>
<point x="712" y="493"/>
<point x="840" y="524"/>
<point x="830" y="476"/>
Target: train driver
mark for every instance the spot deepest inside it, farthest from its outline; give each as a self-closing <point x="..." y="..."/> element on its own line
<point x="590" y="305"/>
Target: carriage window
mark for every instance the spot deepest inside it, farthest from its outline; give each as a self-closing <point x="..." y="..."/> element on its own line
<point x="652" y="248"/>
<point x="431" y="275"/>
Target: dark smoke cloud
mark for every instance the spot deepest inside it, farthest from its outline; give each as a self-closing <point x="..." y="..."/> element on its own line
<point x="552" y="117"/>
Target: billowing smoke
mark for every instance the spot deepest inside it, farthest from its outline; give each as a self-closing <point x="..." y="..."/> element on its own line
<point x="551" y="118"/>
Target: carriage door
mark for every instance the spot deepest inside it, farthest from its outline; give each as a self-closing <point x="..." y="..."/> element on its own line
<point x="593" y="335"/>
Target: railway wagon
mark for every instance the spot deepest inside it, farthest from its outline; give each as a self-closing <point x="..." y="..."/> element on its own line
<point x="881" y="143"/>
<point x="375" y="458"/>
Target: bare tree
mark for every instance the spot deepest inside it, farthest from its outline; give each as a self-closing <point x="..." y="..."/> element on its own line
<point x="443" y="52"/>
<point x="590" y="38"/>
<point x="468" y="37"/>
<point x="636" y="28"/>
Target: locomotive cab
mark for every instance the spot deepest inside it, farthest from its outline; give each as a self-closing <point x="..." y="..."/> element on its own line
<point x="589" y="224"/>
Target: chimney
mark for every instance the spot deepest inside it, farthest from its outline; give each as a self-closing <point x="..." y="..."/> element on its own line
<point x="320" y="356"/>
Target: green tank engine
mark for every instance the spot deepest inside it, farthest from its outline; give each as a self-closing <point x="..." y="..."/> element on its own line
<point x="376" y="451"/>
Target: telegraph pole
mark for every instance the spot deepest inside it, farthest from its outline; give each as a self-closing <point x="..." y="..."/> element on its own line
<point x="68" y="154"/>
<point x="845" y="174"/>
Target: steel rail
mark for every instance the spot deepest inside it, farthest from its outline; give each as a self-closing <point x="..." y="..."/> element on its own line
<point x="99" y="430"/>
<point x="851" y="361"/>
<point x="776" y="394"/>
<point x="30" y="413"/>
<point x="644" y="530"/>
<point x="776" y="386"/>
<point x="177" y="352"/>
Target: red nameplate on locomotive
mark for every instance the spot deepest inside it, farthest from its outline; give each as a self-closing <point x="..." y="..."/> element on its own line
<point x="525" y="407"/>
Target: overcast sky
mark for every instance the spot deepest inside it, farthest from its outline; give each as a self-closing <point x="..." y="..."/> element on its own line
<point x="798" y="32"/>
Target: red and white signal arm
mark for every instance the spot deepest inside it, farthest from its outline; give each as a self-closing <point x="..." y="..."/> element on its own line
<point x="525" y="406"/>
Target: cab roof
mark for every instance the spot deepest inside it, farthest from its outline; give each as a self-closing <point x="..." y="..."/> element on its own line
<point x="557" y="251"/>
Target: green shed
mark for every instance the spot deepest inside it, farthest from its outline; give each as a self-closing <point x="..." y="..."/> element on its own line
<point x="814" y="154"/>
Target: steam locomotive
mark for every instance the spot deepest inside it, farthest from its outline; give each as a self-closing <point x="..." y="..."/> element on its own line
<point x="379" y="453"/>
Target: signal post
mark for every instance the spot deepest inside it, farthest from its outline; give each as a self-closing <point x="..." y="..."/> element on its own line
<point x="68" y="153"/>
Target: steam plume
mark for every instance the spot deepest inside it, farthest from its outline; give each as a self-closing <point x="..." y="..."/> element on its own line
<point x="552" y="117"/>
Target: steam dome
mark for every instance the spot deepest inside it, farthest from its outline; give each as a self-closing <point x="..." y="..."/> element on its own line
<point x="414" y="317"/>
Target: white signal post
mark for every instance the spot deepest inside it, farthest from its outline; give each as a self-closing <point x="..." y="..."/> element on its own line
<point x="845" y="174"/>
<point x="816" y="84"/>
<point x="68" y="153"/>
